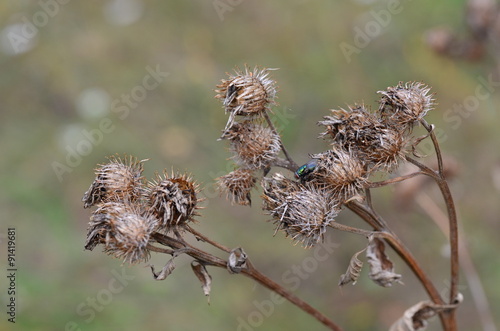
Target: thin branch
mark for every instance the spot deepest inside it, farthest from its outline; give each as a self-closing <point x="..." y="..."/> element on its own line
<point x="160" y="250"/>
<point x="204" y="238"/>
<point x="483" y="308"/>
<point x="394" y="180"/>
<point x="346" y="228"/>
<point x="265" y="281"/>
<point x="250" y="272"/>
<point x="372" y="218"/>
<point x="283" y="148"/>
<point x="430" y="129"/>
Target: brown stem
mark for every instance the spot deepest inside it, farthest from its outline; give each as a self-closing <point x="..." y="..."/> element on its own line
<point x="346" y="228"/>
<point x="283" y="148"/>
<point x="283" y="163"/>
<point x="430" y="129"/>
<point x="204" y="238"/>
<point x="394" y="180"/>
<point x="372" y="218"/>
<point x="265" y="281"/>
<point x="251" y="272"/>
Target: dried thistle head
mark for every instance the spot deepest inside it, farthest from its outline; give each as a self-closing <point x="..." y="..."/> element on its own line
<point x="302" y="212"/>
<point x="378" y="144"/>
<point x="254" y="146"/>
<point x="352" y="126"/>
<point x="237" y="185"/>
<point x="117" y="180"/>
<point x="246" y="93"/>
<point x="124" y="230"/>
<point x="172" y="199"/>
<point x="387" y="151"/>
<point x="405" y="104"/>
<point x="340" y="173"/>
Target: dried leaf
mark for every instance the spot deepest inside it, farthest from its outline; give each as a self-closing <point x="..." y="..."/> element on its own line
<point x="206" y="280"/>
<point x="415" y="318"/>
<point x="167" y="270"/>
<point x="237" y="260"/>
<point x="381" y="268"/>
<point x="352" y="273"/>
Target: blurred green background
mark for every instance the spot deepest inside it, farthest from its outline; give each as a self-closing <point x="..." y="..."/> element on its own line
<point x="67" y="68"/>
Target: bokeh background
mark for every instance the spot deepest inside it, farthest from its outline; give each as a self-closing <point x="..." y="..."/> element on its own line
<point x="67" y="68"/>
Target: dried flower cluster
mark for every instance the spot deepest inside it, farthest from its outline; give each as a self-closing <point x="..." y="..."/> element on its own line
<point x="301" y="210"/>
<point x="254" y="145"/>
<point x="361" y="142"/>
<point x="128" y="211"/>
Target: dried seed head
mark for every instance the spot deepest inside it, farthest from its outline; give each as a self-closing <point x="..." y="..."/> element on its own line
<point x="379" y="145"/>
<point x="254" y="145"/>
<point x="123" y="230"/>
<point x="302" y="212"/>
<point x="237" y="185"/>
<point x="246" y="93"/>
<point x="118" y="180"/>
<point x="340" y="173"/>
<point x="348" y="127"/>
<point x="387" y="151"/>
<point x="173" y="200"/>
<point x="405" y="104"/>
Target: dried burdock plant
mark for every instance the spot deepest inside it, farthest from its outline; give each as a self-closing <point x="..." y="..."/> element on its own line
<point x="172" y="199"/>
<point x="246" y="93"/>
<point x="302" y="212"/>
<point x="124" y="230"/>
<point x="237" y="185"/>
<point x="133" y="219"/>
<point x="379" y="145"/>
<point x="340" y="174"/>
<point x="254" y="145"/>
<point x="406" y="104"/>
<point x="117" y="180"/>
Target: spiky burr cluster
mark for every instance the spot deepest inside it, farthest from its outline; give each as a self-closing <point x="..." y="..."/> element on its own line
<point x="255" y="145"/>
<point x="129" y="211"/>
<point x="362" y="142"/>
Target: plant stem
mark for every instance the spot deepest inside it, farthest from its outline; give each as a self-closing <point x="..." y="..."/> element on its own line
<point x="250" y="272"/>
<point x="283" y="148"/>
<point x="204" y="238"/>
<point x="394" y="180"/>
<point x="265" y="281"/>
<point x="375" y="220"/>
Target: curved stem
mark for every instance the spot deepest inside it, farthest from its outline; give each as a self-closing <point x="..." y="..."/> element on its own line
<point x="372" y="218"/>
<point x="430" y="129"/>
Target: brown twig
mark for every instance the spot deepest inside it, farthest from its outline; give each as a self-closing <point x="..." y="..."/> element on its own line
<point x="250" y="271"/>
<point x="283" y="148"/>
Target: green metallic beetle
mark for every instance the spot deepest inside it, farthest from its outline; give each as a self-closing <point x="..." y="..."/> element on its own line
<point x="306" y="169"/>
